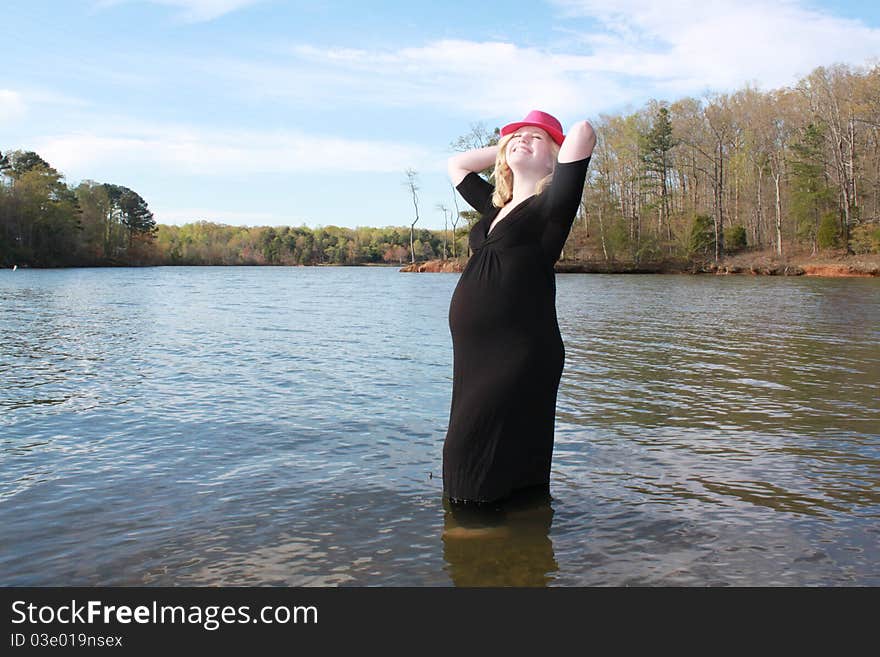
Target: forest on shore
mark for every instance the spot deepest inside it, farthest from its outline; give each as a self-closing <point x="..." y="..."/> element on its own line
<point x="793" y="170"/>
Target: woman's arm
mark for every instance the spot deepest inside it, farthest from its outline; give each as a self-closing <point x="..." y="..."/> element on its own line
<point x="461" y="164"/>
<point x="579" y="142"/>
<point x="566" y="188"/>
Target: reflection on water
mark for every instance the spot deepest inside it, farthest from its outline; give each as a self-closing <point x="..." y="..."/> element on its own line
<point x="284" y="426"/>
<point x="504" y="544"/>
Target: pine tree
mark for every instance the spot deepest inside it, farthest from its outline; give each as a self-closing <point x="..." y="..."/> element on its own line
<point x="656" y="153"/>
<point x="812" y="198"/>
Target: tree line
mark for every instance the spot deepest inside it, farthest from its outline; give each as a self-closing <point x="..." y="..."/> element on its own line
<point x="790" y="170"/>
<point x="46" y="223"/>
<point x="206" y="243"/>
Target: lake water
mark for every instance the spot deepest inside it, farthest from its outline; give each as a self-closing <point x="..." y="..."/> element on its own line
<point x="284" y="426"/>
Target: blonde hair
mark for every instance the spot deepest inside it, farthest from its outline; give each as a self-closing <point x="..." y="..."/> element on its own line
<point x="503" y="176"/>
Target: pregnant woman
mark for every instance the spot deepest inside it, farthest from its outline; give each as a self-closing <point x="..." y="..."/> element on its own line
<point x="508" y="352"/>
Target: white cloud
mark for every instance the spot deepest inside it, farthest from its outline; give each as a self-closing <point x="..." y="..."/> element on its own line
<point x="642" y="49"/>
<point x="12" y="105"/>
<point x="686" y="45"/>
<point x="192" y="151"/>
<point x="193" y="11"/>
<point x="484" y="79"/>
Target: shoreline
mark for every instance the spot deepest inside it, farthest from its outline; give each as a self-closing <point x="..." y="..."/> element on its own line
<point x="867" y="266"/>
<point x="829" y="266"/>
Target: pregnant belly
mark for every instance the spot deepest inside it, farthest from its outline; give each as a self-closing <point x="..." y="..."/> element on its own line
<point x="481" y="311"/>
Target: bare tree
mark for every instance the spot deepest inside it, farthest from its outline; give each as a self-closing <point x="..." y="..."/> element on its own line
<point x="455" y="218"/>
<point x="720" y="121"/>
<point x="411" y="183"/>
<point x="445" y="212"/>
<point x="478" y="137"/>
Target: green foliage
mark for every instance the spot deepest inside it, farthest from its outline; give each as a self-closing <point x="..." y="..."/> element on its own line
<point x="649" y="249"/>
<point x="96" y="220"/>
<point x="701" y="240"/>
<point x="812" y="198"/>
<point x="205" y="243"/>
<point x="656" y="144"/>
<point x="617" y="238"/>
<point x="46" y="223"/>
<point x="135" y="214"/>
<point x="43" y="222"/>
<point x="40" y="215"/>
<point x="17" y="163"/>
<point x="735" y="238"/>
<point x="828" y="235"/>
<point x="866" y="238"/>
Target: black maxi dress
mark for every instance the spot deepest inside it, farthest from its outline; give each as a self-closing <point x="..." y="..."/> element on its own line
<point x="507" y="350"/>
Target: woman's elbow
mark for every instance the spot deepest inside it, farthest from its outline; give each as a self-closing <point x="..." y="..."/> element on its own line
<point x="456" y="169"/>
<point x="579" y="142"/>
<point x="583" y="131"/>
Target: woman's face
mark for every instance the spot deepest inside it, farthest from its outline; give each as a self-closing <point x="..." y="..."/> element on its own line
<point x="530" y="147"/>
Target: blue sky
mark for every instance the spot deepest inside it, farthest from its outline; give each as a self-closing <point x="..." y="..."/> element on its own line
<point x="272" y="112"/>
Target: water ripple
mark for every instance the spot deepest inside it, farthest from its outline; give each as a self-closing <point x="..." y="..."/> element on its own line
<point x="284" y="426"/>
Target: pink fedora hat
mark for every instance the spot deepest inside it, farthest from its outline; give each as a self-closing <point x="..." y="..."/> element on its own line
<point x="541" y="120"/>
